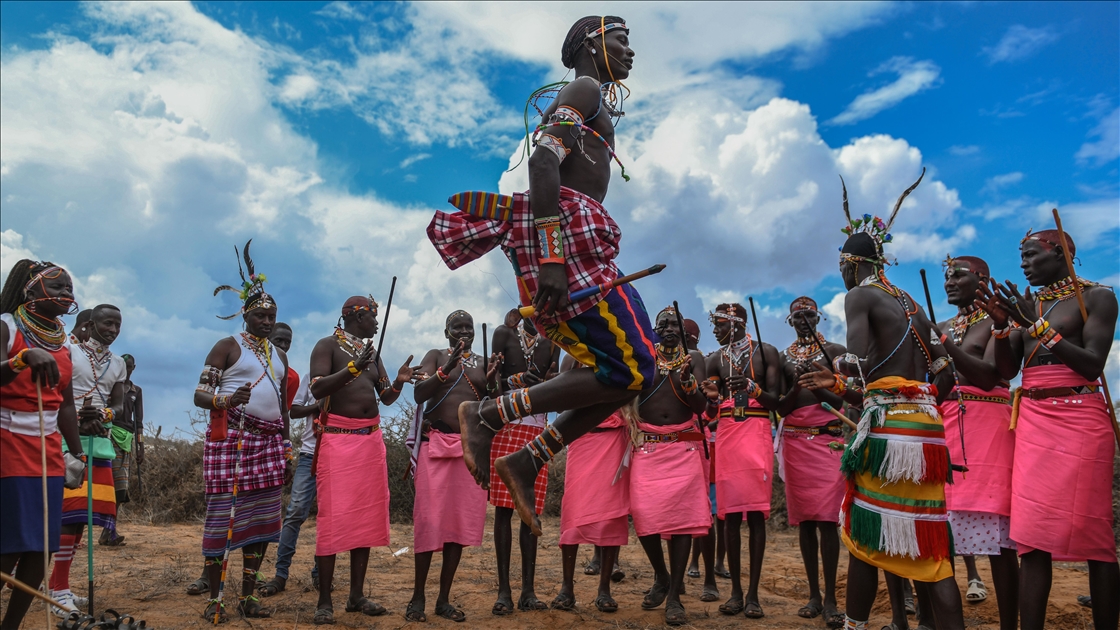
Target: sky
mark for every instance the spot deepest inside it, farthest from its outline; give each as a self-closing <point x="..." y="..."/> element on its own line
<point x="140" y="143"/>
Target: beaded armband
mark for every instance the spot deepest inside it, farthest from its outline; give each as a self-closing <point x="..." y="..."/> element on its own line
<point x="209" y="380"/>
<point x="16" y="363"/>
<point x="940" y="364"/>
<point x="1050" y="338"/>
<point x="221" y="402"/>
<point x="551" y="240"/>
<point x="690" y="386"/>
<point x="553" y="144"/>
<point x="354" y="371"/>
<point x="1001" y="333"/>
<point x="1039" y="328"/>
<point x="516" y="381"/>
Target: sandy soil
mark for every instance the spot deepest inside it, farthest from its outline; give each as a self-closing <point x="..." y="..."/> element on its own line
<point x="147" y="578"/>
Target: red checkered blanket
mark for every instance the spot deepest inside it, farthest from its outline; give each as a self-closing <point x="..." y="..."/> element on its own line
<point x="511" y="438"/>
<point x="262" y="455"/>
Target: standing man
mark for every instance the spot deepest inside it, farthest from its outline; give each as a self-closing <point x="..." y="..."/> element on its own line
<point x="450" y="509"/>
<point x="809" y="460"/>
<point x="302" y="406"/>
<point x="977" y="417"/>
<point x="746" y="372"/>
<point x="528" y="358"/>
<point x="35" y="374"/>
<point x="349" y="380"/>
<point x="897" y="463"/>
<point x="98" y="383"/>
<point x="127" y="433"/>
<point x="668" y="489"/>
<point x="561" y="239"/>
<point x="1062" y="427"/>
<point x="80" y="332"/>
<point x="247" y="446"/>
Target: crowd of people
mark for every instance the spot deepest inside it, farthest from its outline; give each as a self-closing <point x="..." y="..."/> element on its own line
<point x="905" y="443"/>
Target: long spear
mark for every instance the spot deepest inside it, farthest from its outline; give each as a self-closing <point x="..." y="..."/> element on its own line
<point x="1085" y="317"/>
<point x="528" y="311"/>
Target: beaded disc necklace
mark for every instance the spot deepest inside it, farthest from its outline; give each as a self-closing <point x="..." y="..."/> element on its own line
<point x="528" y="343"/>
<point x="350" y="344"/>
<point x="804" y="351"/>
<point x="1063" y="290"/>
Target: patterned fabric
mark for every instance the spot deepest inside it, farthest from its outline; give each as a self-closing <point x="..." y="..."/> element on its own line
<point x="20" y="394"/>
<point x="980" y="533"/>
<point x="512" y="438"/>
<point x="74" y="502"/>
<point x="256" y="520"/>
<point x="262" y="456"/>
<point x="121" y="465"/>
<point x="897" y="464"/>
<point x="591" y="240"/>
<point x="614" y="339"/>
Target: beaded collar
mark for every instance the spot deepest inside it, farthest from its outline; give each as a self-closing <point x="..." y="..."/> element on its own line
<point x="967" y="318"/>
<point x="667" y="363"/>
<point x="38" y="334"/>
<point x="735" y="351"/>
<point x="351" y="344"/>
<point x="1063" y="289"/>
<point x="528" y="343"/>
<point x="803" y="351"/>
<point x="96" y="351"/>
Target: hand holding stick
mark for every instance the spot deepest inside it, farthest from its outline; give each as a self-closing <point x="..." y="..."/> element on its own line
<point x="529" y="311"/>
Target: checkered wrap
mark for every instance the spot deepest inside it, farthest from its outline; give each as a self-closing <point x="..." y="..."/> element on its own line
<point x="509" y="440"/>
<point x="591" y="240"/>
<point x="262" y="456"/>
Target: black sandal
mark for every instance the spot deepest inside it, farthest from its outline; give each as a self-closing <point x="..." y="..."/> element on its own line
<point x="618" y="575"/>
<point x="563" y="601"/>
<point x="606" y="604"/>
<point x="655" y="597"/>
<point x="530" y="603"/>
<point x="592" y="568"/>
<point x="272" y="587"/>
<point x="674" y="614"/>
<point x="74" y="621"/>
<point x="366" y="606"/>
<point x="199" y="586"/>
<point x="812" y="610"/>
<point x="250" y="607"/>
<point x="733" y="606"/>
<point x="709" y="594"/>
<point x="834" y="619"/>
<point x="220" y="612"/>
<point x="447" y="611"/>
<point x="502" y="607"/>
<point x="753" y="610"/>
<point x="324" y="616"/>
<point x="414" y="612"/>
<point x="693" y="573"/>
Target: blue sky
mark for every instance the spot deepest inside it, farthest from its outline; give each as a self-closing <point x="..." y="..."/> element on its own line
<point x="140" y="143"/>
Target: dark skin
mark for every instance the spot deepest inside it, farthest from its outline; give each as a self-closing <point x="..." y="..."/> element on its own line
<point x="805" y="322"/>
<point x="54" y="297"/>
<point x="876" y="322"/>
<point x="445" y="419"/>
<point x="664" y="407"/>
<point x="259" y="323"/>
<point x="540" y="367"/>
<point x="975" y="363"/>
<point x="353" y="397"/>
<point x="1084" y="349"/>
<point x="596" y="400"/>
<point x="765" y="367"/>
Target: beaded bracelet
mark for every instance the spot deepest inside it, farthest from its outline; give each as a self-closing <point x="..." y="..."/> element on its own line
<point x="441" y="375"/>
<point x="16" y="363"/>
<point x="1001" y="333"/>
<point x="397" y="389"/>
<point x="1038" y="328"/>
<point x="353" y="369"/>
<point x="690" y="386"/>
<point x="221" y="402"/>
<point x="839" y="386"/>
<point x="1050" y="338"/>
<point x="753" y="390"/>
<point x="940" y="364"/>
<point x="106" y="415"/>
<point x="551" y="240"/>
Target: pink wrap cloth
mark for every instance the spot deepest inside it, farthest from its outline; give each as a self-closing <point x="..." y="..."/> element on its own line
<point x="353" y="488"/>
<point x="668" y="492"/>
<point x="593" y="511"/>
<point x="449" y="506"/>
<point x="814" y="484"/>
<point x="990" y="446"/>
<point x="745" y="468"/>
<point x="1061" y="484"/>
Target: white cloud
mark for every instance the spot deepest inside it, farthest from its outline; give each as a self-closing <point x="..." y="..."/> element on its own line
<point x="11" y="252"/>
<point x="1089" y="223"/>
<point x="963" y="150"/>
<point x="998" y="182"/>
<point x="913" y="77"/>
<point x="837" y="323"/>
<point x="1019" y="42"/>
<point x="1107" y="146"/>
<point x="412" y="159"/>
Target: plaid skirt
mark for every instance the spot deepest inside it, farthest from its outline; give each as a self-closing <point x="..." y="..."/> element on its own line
<point x="509" y="440"/>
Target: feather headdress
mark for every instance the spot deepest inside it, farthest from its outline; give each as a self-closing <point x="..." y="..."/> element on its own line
<point x="875" y="232"/>
<point x="252" y="292"/>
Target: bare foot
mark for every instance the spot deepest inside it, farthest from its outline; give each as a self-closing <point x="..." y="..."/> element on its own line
<point x="476" y="441"/>
<point x="519" y="474"/>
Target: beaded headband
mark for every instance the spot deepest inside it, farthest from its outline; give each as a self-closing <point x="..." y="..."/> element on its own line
<point x="951" y="264"/>
<point x="370" y="306"/>
<point x="1038" y="236"/>
<point x="453" y="315"/>
<point x="724" y="315"/>
<point x="49" y="273"/>
<point x="876" y="228"/>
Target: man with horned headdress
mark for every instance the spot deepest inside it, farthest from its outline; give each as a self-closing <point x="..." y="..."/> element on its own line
<point x="528" y="358"/>
<point x="809" y="445"/>
<point x="349" y="379"/>
<point x="977" y="416"/>
<point x="450" y="509"/>
<point x="247" y="456"/>
<point x="560" y="239"/>
<point x="745" y="371"/>
<point x="1062" y="473"/>
<point x="893" y="516"/>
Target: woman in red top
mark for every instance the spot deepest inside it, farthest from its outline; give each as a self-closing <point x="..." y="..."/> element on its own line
<point x="33" y="349"/>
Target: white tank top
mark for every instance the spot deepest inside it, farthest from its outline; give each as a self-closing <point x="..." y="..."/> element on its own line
<point x="264" y="401"/>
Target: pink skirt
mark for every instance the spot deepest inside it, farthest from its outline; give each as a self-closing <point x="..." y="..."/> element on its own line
<point x="745" y="468"/>
<point x="352" y="481"/>
<point x="449" y="506"/>
<point x="592" y="499"/>
<point x="668" y="492"/>
<point x="1061" y="485"/>
<point x="814" y="483"/>
<point x="990" y="446"/>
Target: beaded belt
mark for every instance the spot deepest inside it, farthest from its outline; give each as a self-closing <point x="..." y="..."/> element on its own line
<point x="1041" y="393"/>
<point x="239" y="426"/>
<point x="1003" y="400"/>
<point x="676" y="436"/>
<point x="361" y="431"/>
<point x="832" y="429"/>
<point x="743" y="412"/>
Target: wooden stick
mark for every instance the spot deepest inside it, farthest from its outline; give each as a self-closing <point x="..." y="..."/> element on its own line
<point x="46" y="495"/>
<point x="14" y="583"/>
<point x="929" y="300"/>
<point x="529" y="311"/>
<point x="845" y="419"/>
<point x="89" y="523"/>
<point x="1085" y="317"/>
<point x="385" y="324"/>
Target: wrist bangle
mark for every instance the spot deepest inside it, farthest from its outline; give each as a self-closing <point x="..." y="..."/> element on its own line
<point x="353" y="369"/>
<point x="1038" y="328"/>
<point x="397" y="389"/>
<point x="551" y="240"/>
<point x="753" y="390"/>
<point x="16" y="363"/>
<point x="1001" y="333"/>
<point x="221" y="402"/>
<point x="1050" y="338"/>
<point x="441" y="375"/>
<point x="839" y="386"/>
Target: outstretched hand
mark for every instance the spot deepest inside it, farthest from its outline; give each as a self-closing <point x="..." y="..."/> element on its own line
<point x="820" y="378"/>
<point x="1019" y="307"/>
<point x="453" y="357"/>
<point x="406" y="373"/>
<point x="988" y="300"/>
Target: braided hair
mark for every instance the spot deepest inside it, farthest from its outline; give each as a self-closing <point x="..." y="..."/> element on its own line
<point x="578" y="34"/>
<point x="14" y="292"/>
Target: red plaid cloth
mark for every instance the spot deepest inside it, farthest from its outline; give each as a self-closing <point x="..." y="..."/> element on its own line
<point x="591" y="240"/>
<point x="262" y="456"/>
<point x="509" y="440"/>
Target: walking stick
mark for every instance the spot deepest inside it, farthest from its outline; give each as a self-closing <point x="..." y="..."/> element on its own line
<point x="684" y="346"/>
<point x="89" y="523"/>
<point x="229" y="531"/>
<point x="46" y="496"/>
<point x="761" y="354"/>
<point x="956" y="379"/>
<point x="385" y="322"/>
<point x="15" y="583"/>
<point x="1085" y="317"/>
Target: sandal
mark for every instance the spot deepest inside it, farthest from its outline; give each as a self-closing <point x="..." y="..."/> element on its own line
<point x="618" y="575"/>
<point x="977" y="592"/>
<point x="324" y="616"/>
<point x="502" y="607"/>
<point x="693" y="573"/>
<point x="834" y="619"/>
<point x="563" y="601"/>
<point x="753" y="611"/>
<point x="530" y="603"/>
<point x="113" y="623"/>
<point x="447" y="611"/>
<point x="592" y="568"/>
<point x="250" y="607"/>
<point x="1085" y="600"/>
<point x="128" y="622"/>
<point x="606" y="604"/>
<point x="199" y="586"/>
<point x="74" y="621"/>
<point x="211" y="611"/>
<point x="674" y="614"/>
<point x="723" y="573"/>
<point x="733" y="606"/>
<point x="366" y="606"/>
<point x="812" y="610"/>
<point x="709" y="594"/>
<point x="908" y="604"/>
<point x="272" y="587"/>
<point x="655" y="597"/>
<point x="415" y="612"/>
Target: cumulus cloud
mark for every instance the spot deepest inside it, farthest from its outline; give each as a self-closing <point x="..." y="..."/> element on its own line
<point x="913" y="77"/>
<point x="1107" y="146"/>
<point x="998" y="182"/>
<point x="1019" y="42"/>
<point x="1089" y="223"/>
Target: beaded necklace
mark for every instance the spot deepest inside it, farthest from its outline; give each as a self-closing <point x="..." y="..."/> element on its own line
<point x="735" y="350"/>
<point x="259" y="347"/>
<point x="960" y="324"/>
<point x="668" y="364"/>
<point x="1063" y="290"/>
<point x="804" y="351"/>
<point x="528" y="343"/>
<point x="350" y="344"/>
<point x="40" y="334"/>
<point x="582" y="130"/>
<point x="97" y="354"/>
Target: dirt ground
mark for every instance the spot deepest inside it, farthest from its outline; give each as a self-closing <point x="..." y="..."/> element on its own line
<point x="147" y="578"/>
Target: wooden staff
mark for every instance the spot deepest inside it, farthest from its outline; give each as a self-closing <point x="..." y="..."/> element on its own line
<point x="929" y="300"/>
<point x="485" y="352"/>
<point x="14" y="583"/>
<point x="845" y="419"/>
<point x="385" y="324"/>
<point x="89" y="522"/>
<point x="528" y="311"/>
<point x="229" y="531"/>
<point x="46" y="495"/>
<point x="1085" y="317"/>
